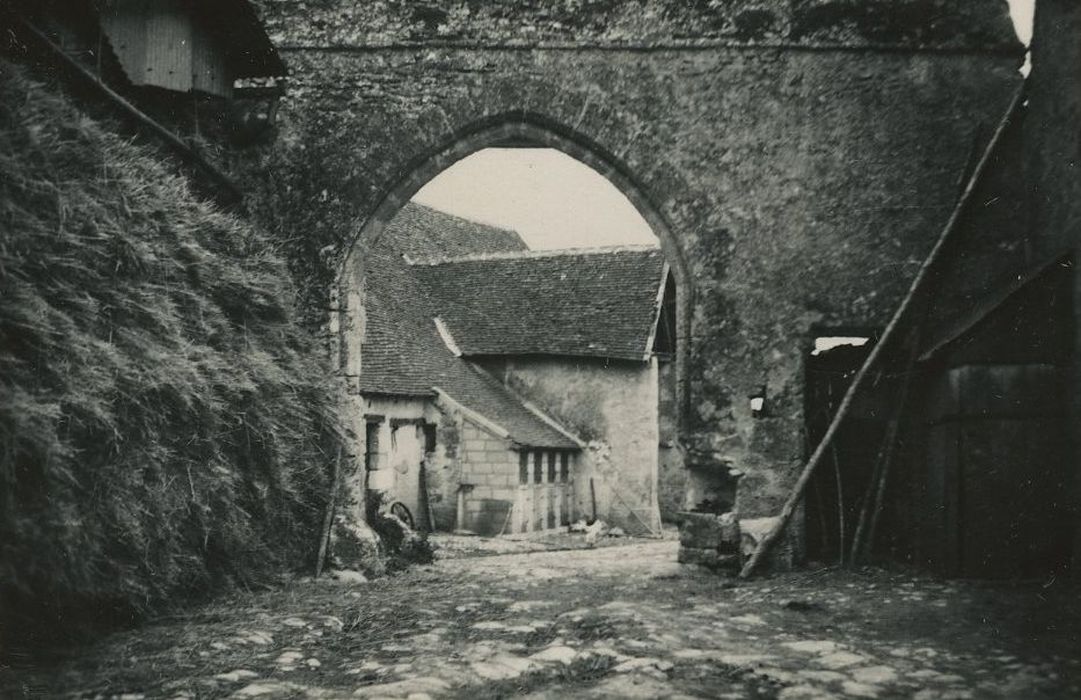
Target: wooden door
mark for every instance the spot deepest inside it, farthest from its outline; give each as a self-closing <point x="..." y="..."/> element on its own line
<point x="994" y="492"/>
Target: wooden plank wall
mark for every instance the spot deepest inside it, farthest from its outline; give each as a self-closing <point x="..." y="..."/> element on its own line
<point x="209" y="65"/>
<point x="159" y="44"/>
<point x="126" y="31"/>
<point x="995" y="491"/>
<point x="169" y="45"/>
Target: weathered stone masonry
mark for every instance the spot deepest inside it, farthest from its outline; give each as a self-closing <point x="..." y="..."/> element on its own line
<point x="796" y="163"/>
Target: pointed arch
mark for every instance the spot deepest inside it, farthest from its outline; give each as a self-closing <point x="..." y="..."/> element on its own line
<point x="528" y="130"/>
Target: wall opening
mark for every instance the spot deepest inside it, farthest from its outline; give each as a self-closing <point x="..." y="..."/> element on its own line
<point x="838" y="489"/>
<point x="543" y="209"/>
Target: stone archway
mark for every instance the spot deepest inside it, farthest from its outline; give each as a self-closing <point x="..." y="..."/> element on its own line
<point x="793" y="166"/>
<point x="514" y="129"/>
<point x="521" y="129"/>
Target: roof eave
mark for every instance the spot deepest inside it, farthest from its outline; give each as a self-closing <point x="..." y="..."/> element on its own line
<point x="658" y="304"/>
<point x="474" y="416"/>
<point x="251" y="52"/>
<point x="397" y="394"/>
<point x="473" y="354"/>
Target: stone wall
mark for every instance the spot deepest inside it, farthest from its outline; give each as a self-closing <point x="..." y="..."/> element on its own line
<point x="1052" y="137"/>
<point x="795" y="162"/>
<point x="578" y="24"/>
<point x="490" y="468"/>
<point x="613" y="406"/>
<point x="672" y="478"/>
<point x="400" y="450"/>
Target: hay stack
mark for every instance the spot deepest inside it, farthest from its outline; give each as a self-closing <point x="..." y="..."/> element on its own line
<point x="164" y="425"/>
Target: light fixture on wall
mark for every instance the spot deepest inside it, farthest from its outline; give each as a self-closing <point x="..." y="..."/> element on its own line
<point x="758" y="402"/>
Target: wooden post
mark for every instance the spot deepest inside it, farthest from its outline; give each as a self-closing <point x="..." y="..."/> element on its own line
<point x="424" y="493"/>
<point x="840" y="509"/>
<point x="872" y="504"/>
<point x="328" y="516"/>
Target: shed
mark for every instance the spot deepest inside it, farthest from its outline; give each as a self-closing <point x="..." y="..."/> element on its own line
<point x="200" y="46"/>
<point x="993" y="473"/>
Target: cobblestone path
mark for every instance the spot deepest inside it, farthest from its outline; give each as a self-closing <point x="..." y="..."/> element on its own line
<point x="617" y="622"/>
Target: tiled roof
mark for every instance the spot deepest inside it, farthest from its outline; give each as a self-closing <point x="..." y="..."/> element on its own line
<point x="404" y="355"/>
<point x="422" y="232"/>
<point x="582" y="302"/>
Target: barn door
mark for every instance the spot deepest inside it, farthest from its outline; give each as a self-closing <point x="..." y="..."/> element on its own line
<point x="998" y="473"/>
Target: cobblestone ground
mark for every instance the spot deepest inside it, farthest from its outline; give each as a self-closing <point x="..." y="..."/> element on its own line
<point x="617" y="622"/>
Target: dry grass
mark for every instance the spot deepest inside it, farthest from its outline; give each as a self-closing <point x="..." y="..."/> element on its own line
<point x="164" y="424"/>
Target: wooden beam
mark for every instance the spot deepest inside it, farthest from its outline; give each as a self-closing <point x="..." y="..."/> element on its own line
<point x="171" y="140"/>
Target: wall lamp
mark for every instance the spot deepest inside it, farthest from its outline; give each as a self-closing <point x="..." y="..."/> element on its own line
<point x="758" y="402"/>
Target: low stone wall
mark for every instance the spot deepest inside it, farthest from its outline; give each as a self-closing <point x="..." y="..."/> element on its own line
<point x="710" y="540"/>
<point x="723" y="542"/>
<point x="490" y="474"/>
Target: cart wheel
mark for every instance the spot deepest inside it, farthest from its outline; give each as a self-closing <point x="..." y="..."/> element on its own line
<point x="398" y="510"/>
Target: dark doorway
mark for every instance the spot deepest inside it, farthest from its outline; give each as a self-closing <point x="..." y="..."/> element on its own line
<point x="838" y="488"/>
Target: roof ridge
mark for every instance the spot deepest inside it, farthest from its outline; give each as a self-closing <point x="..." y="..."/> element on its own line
<point x="525" y="254"/>
<point x="487" y="224"/>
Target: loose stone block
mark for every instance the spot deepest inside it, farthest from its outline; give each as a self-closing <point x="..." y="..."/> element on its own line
<point x="710" y="531"/>
<point x="710" y="558"/>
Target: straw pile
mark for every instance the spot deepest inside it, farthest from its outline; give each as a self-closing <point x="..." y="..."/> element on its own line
<point x="164" y="425"/>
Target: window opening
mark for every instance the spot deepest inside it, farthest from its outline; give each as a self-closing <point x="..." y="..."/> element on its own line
<point x="371" y="446"/>
<point x="523" y="467"/>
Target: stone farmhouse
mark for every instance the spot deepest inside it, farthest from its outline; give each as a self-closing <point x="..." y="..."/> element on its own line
<point x="509" y="391"/>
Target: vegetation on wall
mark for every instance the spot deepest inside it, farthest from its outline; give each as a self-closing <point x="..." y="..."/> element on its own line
<point x="165" y="428"/>
<point x="303" y="189"/>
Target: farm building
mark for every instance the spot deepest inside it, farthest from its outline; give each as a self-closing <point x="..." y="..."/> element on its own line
<point x="509" y="391"/>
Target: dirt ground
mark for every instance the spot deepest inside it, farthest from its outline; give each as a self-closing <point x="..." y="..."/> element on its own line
<point x="614" y="622"/>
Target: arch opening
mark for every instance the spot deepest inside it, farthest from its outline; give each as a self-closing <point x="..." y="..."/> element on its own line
<point x="515" y="377"/>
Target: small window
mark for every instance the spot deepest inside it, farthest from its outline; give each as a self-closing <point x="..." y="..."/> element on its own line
<point x="431" y="438"/>
<point x="538" y="466"/>
<point x="371" y="447"/>
<point x="551" y="467"/>
<point x="826" y="343"/>
<point x="564" y="467"/>
<point x="523" y="467"/>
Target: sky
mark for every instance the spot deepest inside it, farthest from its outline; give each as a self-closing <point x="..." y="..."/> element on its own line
<point x="555" y="201"/>
<point x="549" y="198"/>
<point x="1021" y="11"/>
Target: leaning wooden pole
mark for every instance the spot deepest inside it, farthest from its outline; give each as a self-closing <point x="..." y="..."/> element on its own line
<point x="328" y="514"/>
<point x="182" y="149"/>
<point x="885" y="454"/>
<point x="895" y="321"/>
<point x="872" y="502"/>
<point x="883" y="477"/>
